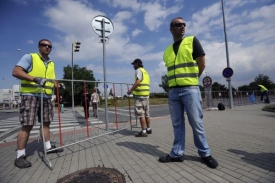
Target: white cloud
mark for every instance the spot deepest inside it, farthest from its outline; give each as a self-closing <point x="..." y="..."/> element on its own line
<point x="136" y="32"/>
<point x="30" y="42"/>
<point x="154" y="19"/>
<point x="250" y="38"/>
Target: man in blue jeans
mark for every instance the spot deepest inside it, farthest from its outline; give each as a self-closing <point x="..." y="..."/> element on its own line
<point x="185" y="62"/>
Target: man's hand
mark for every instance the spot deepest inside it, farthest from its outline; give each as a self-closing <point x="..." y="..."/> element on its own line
<point x="128" y="93"/>
<point x="62" y="86"/>
<point x="40" y="81"/>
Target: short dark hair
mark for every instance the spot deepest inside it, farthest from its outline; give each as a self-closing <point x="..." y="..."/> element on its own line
<point x="43" y="40"/>
<point x="172" y="21"/>
<point x="137" y="61"/>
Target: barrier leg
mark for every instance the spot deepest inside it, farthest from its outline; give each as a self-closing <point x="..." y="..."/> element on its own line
<point x="44" y="157"/>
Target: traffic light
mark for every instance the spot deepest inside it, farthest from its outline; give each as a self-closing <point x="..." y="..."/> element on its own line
<point x="76" y="46"/>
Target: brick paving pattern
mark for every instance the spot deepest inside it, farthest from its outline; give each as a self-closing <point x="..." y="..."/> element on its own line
<point x="241" y="139"/>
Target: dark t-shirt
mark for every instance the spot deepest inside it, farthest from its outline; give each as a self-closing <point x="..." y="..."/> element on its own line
<point x="88" y="98"/>
<point x="61" y="100"/>
<point x="197" y="48"/>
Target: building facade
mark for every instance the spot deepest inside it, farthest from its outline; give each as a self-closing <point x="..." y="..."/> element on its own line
<point x="8" y="95"/>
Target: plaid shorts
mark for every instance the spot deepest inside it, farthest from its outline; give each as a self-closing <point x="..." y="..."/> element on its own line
<point x="31" y="107"/>
<point x="142" y="107"/>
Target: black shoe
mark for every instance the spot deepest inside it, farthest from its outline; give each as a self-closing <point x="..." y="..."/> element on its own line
<point x="149" y="131"/>
<point x="141" y="134"/>
<point x="210" y="162"/>
<point x="55" y="151"/>
<point x="168" y="159"/>
<point x="22" y="162"/>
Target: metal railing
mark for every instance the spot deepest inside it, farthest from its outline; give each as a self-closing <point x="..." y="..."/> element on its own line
<point x="239" y="98"/>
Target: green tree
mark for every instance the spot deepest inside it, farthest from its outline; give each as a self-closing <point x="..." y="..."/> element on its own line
<point x="164" y="83"/>
<point x="218" y="87"/>
<point x="111" y="92"/>
<point x="245" y="88"/>
<point x="80" y="73"/>
<point x="263" y="80"/>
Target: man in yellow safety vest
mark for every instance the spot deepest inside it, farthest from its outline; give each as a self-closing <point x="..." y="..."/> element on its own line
<point x="141" y="92"/>
<point x="185" y="62"/>
<point x="36" y="72"/>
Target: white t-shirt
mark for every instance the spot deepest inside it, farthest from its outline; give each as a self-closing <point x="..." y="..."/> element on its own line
<point x="139" y="74"/>
<point x="94" y="97"/>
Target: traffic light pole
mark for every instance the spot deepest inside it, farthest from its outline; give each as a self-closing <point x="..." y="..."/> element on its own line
<point x="73" y="89"/>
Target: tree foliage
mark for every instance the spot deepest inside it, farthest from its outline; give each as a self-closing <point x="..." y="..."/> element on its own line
<point x="111" y="92"/>
<point x="80" y="73"/>
<point x="260" y="79"/>
<point x="264" y="80"/>
<point x="164" y="83"/>
<point x="218" y="87"/>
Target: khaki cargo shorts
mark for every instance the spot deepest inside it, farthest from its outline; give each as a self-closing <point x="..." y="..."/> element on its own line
<point x="142" y="108"/>
<point x="31" y="107"/>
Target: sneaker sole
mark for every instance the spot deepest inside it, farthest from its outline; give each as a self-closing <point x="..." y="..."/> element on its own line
<point x="55" y="151"/>
<point x="22" y="167"/>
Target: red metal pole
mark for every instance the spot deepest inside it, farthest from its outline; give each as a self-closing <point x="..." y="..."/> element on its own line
<point x="129" y="107"/>
<point x="86" y="109"/>
<point x="115" y="105"/>
<point x="59" y="120"/>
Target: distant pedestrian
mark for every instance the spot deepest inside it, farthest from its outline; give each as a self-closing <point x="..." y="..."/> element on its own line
<point x="61" y="104"/>
<point x="264" y="92"/>
<point x="95" y="102"/>
<point x="53" y="98"/>
<point x="85" y="100"/>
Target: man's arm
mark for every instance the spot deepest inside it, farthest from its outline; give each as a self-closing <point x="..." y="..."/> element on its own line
<point x="21" y="74"/>
<point x="136" y="84"/>
<point x="201" y="64"/>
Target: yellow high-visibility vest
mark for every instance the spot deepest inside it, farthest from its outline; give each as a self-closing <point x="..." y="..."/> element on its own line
<point x="262" y="88"/>
<point x="39" y="70"/>
<point x="144" y="87"/>
<point x="182" y="70"/>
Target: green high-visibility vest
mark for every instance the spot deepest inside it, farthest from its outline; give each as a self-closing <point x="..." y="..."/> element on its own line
<point x="262" y="88"/>
<point x="144" y="87"/>
<point x="39" y="70"/>
<point x="182" y="70"/>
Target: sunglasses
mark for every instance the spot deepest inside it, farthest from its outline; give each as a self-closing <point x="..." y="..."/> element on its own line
<point x="179" y="24"/>
<point x="45" y="45"/>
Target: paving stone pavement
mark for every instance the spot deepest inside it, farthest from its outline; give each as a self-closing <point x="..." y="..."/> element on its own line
<point x="241" y="139"/>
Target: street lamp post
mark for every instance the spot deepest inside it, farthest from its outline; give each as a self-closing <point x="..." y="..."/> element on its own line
<point x="227" y="58"/>
<point x="19" y="52"/>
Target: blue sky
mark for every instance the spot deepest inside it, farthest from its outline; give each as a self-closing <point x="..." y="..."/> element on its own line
<point x="141" y="30"/>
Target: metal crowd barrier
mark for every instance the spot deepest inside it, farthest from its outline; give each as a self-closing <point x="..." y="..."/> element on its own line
<point x="93" y="128"/>
<point x="239" y="98"/>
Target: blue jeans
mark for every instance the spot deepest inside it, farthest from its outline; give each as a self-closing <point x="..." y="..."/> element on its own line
<point x="189" y="99"/>
<point x="265" y="93"/>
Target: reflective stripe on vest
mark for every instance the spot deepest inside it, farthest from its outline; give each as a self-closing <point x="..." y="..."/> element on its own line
<point x="39" y="70"/>
<point x="262" y="88"/>
<point x="182" y="69"/>
<point x="143" y="88"/>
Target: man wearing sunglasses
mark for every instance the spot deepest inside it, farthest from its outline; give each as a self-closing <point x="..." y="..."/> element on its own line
<point x="185" y="62"/>
<point x="36" y="72"/>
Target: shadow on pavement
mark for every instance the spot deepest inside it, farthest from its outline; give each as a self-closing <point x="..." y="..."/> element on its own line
<point x="262" y="160"/>
<point x="142" y="148"/>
